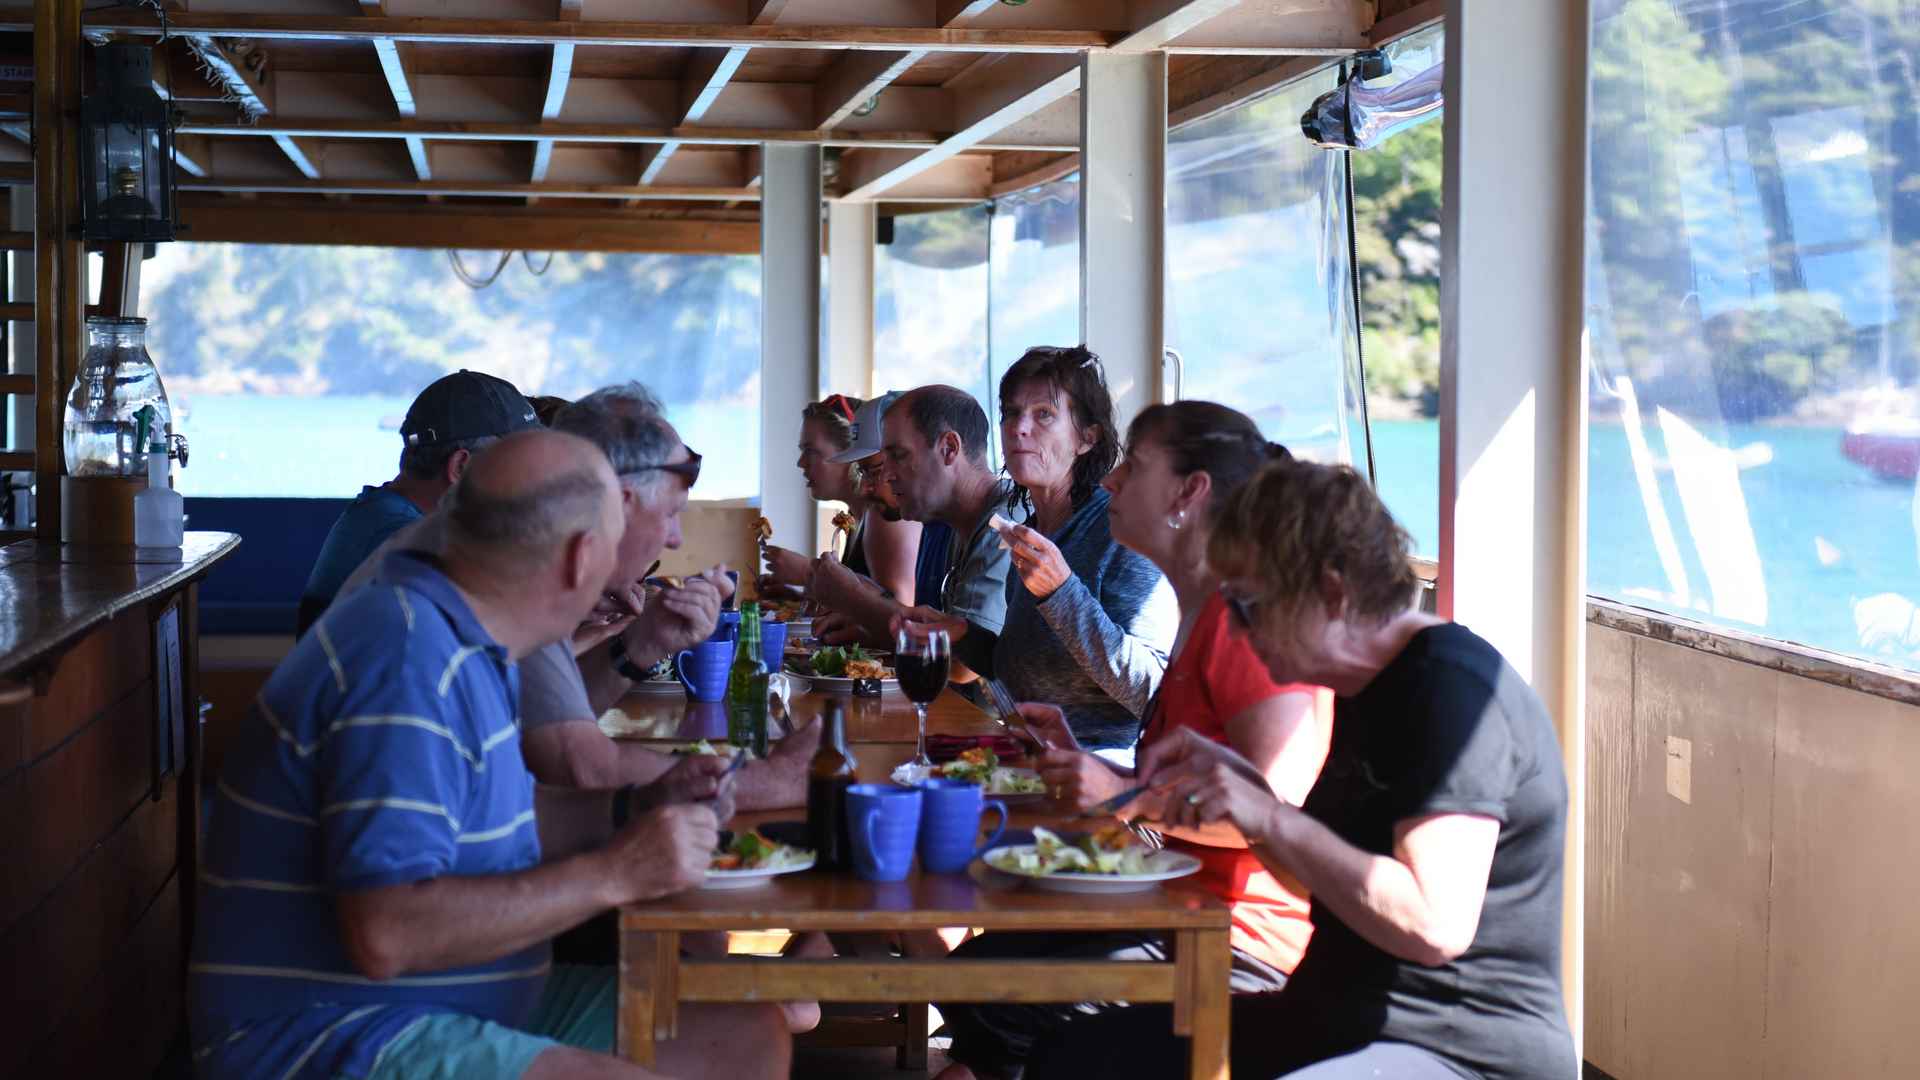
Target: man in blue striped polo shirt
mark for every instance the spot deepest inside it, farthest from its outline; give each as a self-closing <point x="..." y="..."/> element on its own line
<point x="378" y="892"/>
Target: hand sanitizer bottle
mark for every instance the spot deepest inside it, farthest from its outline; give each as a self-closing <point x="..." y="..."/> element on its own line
<point x="159" y="512"/>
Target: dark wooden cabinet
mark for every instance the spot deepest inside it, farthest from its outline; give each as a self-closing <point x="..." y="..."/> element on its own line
<point x="99" y="807"/>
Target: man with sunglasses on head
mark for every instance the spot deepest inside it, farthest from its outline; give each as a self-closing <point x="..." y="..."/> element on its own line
<point x="567" y="685"/>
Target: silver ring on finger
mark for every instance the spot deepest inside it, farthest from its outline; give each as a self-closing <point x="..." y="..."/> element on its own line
<point x="1193" y="798"/>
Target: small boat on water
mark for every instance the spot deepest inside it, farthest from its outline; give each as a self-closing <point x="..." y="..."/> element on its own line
<point x="1888" y="445"/>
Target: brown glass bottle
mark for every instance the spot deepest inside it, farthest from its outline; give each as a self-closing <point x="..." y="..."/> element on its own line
<point x="829" y="776"/>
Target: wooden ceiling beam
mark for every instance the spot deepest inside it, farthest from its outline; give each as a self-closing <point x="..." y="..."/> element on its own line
<point x="1021" y="136"/>
<point x="965" y="178"/>
<point x="474" y="189"/>
<point x="854" y="79"/>
<point x="1306" y="28"/>
<point x="192" y="153"/>
<point x="1158" y="22"/>
<point x="536" y="32"/>
<point x="304" y="155"/>
<point x="958" y="13"/>
<point x="230" y="72"/>
<point x="385" y="224"/>
<point x="707" y="75"/>
<point x="559" y="75"/>
<point x="765" y="12"/>
<point x="994" y="98"/>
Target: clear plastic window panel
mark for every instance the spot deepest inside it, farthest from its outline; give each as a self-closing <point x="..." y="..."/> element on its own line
<point x="1259" y="307"/>
<point x="1036" y="273"/>
<point x="291" y="367"/>
<point x="930" y="303"/>
<point x="1753" y="296"/>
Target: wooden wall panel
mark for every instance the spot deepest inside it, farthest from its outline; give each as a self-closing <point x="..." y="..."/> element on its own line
<point x="72" y="799"/>
<point x="1696" y="875"/>
<point x="1611" y="760"/>
<point x="103" y="668"/>
<point x="75" y="933"/>
<point x="1842" y="979"/>
<point x="717" y="534"/>
<point x="129" y="1013"/>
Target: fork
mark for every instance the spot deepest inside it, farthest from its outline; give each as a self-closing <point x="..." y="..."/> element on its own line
<point x="1009" y="710"/>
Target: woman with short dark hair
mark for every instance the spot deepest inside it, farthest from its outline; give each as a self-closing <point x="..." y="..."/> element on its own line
<point x="1089" y="623"/>
<point x="1432" y="844"/>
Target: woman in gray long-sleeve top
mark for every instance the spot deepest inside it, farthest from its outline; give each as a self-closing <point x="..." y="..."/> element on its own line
<point x="1089" y="623"/>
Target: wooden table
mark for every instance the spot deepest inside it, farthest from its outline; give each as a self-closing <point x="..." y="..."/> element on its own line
<point x="885" y="719"/>
<point x="655" y="978"/>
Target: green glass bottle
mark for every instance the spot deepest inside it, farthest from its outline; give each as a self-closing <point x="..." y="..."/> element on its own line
<point x="747" y="687"/>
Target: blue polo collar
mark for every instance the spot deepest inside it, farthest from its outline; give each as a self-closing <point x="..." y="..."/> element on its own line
<point x="420" y="572"/>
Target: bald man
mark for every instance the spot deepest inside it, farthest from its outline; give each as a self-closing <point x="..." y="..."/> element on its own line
<point x="378" y="891"/>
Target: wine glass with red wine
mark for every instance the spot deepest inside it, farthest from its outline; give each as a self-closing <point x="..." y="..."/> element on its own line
<point x="921" y="661"/>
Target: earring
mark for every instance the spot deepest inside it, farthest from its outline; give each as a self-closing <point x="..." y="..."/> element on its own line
<point x="1178" y="519"/>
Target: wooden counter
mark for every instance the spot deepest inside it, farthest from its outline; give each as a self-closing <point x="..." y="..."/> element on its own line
<point x="46" y="603"/>
<point x="99" y="801"/>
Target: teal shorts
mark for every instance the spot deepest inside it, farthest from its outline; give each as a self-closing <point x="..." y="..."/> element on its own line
<point x="576" y="1010"/>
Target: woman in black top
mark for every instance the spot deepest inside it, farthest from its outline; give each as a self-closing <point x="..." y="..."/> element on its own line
<point x="1431" y="845"/>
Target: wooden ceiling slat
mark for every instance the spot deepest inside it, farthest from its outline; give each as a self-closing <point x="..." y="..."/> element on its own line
<point x="472" y="188"/>
<point x="456" y="225"/>
<point x="527" y="31"/>
<point x="854" y="79"/>
<point x="483" y="131"/>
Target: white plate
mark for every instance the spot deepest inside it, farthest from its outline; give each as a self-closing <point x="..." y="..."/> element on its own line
<point x="1167" y="865"/>
<point x="909" y="774"/>
<point x="747" y="879"/>
<point x="829" y="684"/>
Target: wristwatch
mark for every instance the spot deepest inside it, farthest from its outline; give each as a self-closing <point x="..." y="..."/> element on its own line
<point x="617" y="655"/>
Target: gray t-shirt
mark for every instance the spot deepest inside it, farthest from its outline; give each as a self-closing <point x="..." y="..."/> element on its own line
<point x="552" y="690"/>
<point x="976" y="590"/>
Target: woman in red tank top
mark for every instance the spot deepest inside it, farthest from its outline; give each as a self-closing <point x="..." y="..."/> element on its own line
<point x="1182" y="460"/>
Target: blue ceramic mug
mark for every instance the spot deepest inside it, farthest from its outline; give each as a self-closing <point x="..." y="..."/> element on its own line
<point x="883" y="821"/>
<point x="726" y="628"/>
<point x="950" y="824"/>
<point x="773" y="644"/>
<point x="703" y="669"/>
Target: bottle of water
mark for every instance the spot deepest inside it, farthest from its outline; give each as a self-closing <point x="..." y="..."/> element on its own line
<point x="159" y="513"/>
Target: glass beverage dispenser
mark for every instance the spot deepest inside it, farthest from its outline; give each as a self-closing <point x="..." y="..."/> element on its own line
<point x="117" y="412"/>
<point x="115" y="381"/>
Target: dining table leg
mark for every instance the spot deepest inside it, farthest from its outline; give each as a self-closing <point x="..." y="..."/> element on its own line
<point x="649" y="998"/>
<point x="1205" y="971"/>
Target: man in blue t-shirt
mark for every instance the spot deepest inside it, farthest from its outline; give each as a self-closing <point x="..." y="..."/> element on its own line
<point x="445" y="426"/>
<point x="381" y="877"/>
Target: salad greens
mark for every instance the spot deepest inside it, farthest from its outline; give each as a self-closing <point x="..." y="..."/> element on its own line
<point x="832" y="660"/>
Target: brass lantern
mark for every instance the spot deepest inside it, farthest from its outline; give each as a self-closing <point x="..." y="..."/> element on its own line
<point x="126" y="158"/>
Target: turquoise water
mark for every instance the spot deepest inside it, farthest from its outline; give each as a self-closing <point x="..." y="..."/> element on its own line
<point x="1839" y="567"/>
<point x="325" y="447"/>
<point x="1836" y="547"/>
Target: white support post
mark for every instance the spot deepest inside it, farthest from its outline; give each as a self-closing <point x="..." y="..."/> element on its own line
<point x="789" y="326"/>
<point x="849" y="362"/>
<point x="1513" y="422"/>
<point x="1123" y="218"/>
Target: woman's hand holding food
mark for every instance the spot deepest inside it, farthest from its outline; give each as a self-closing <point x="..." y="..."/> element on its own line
<point x="1204" y="782"/>
<point x="1037" y="560"/>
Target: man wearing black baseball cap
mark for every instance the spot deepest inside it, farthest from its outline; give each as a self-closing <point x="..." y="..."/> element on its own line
<point x="450" y="420"/>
